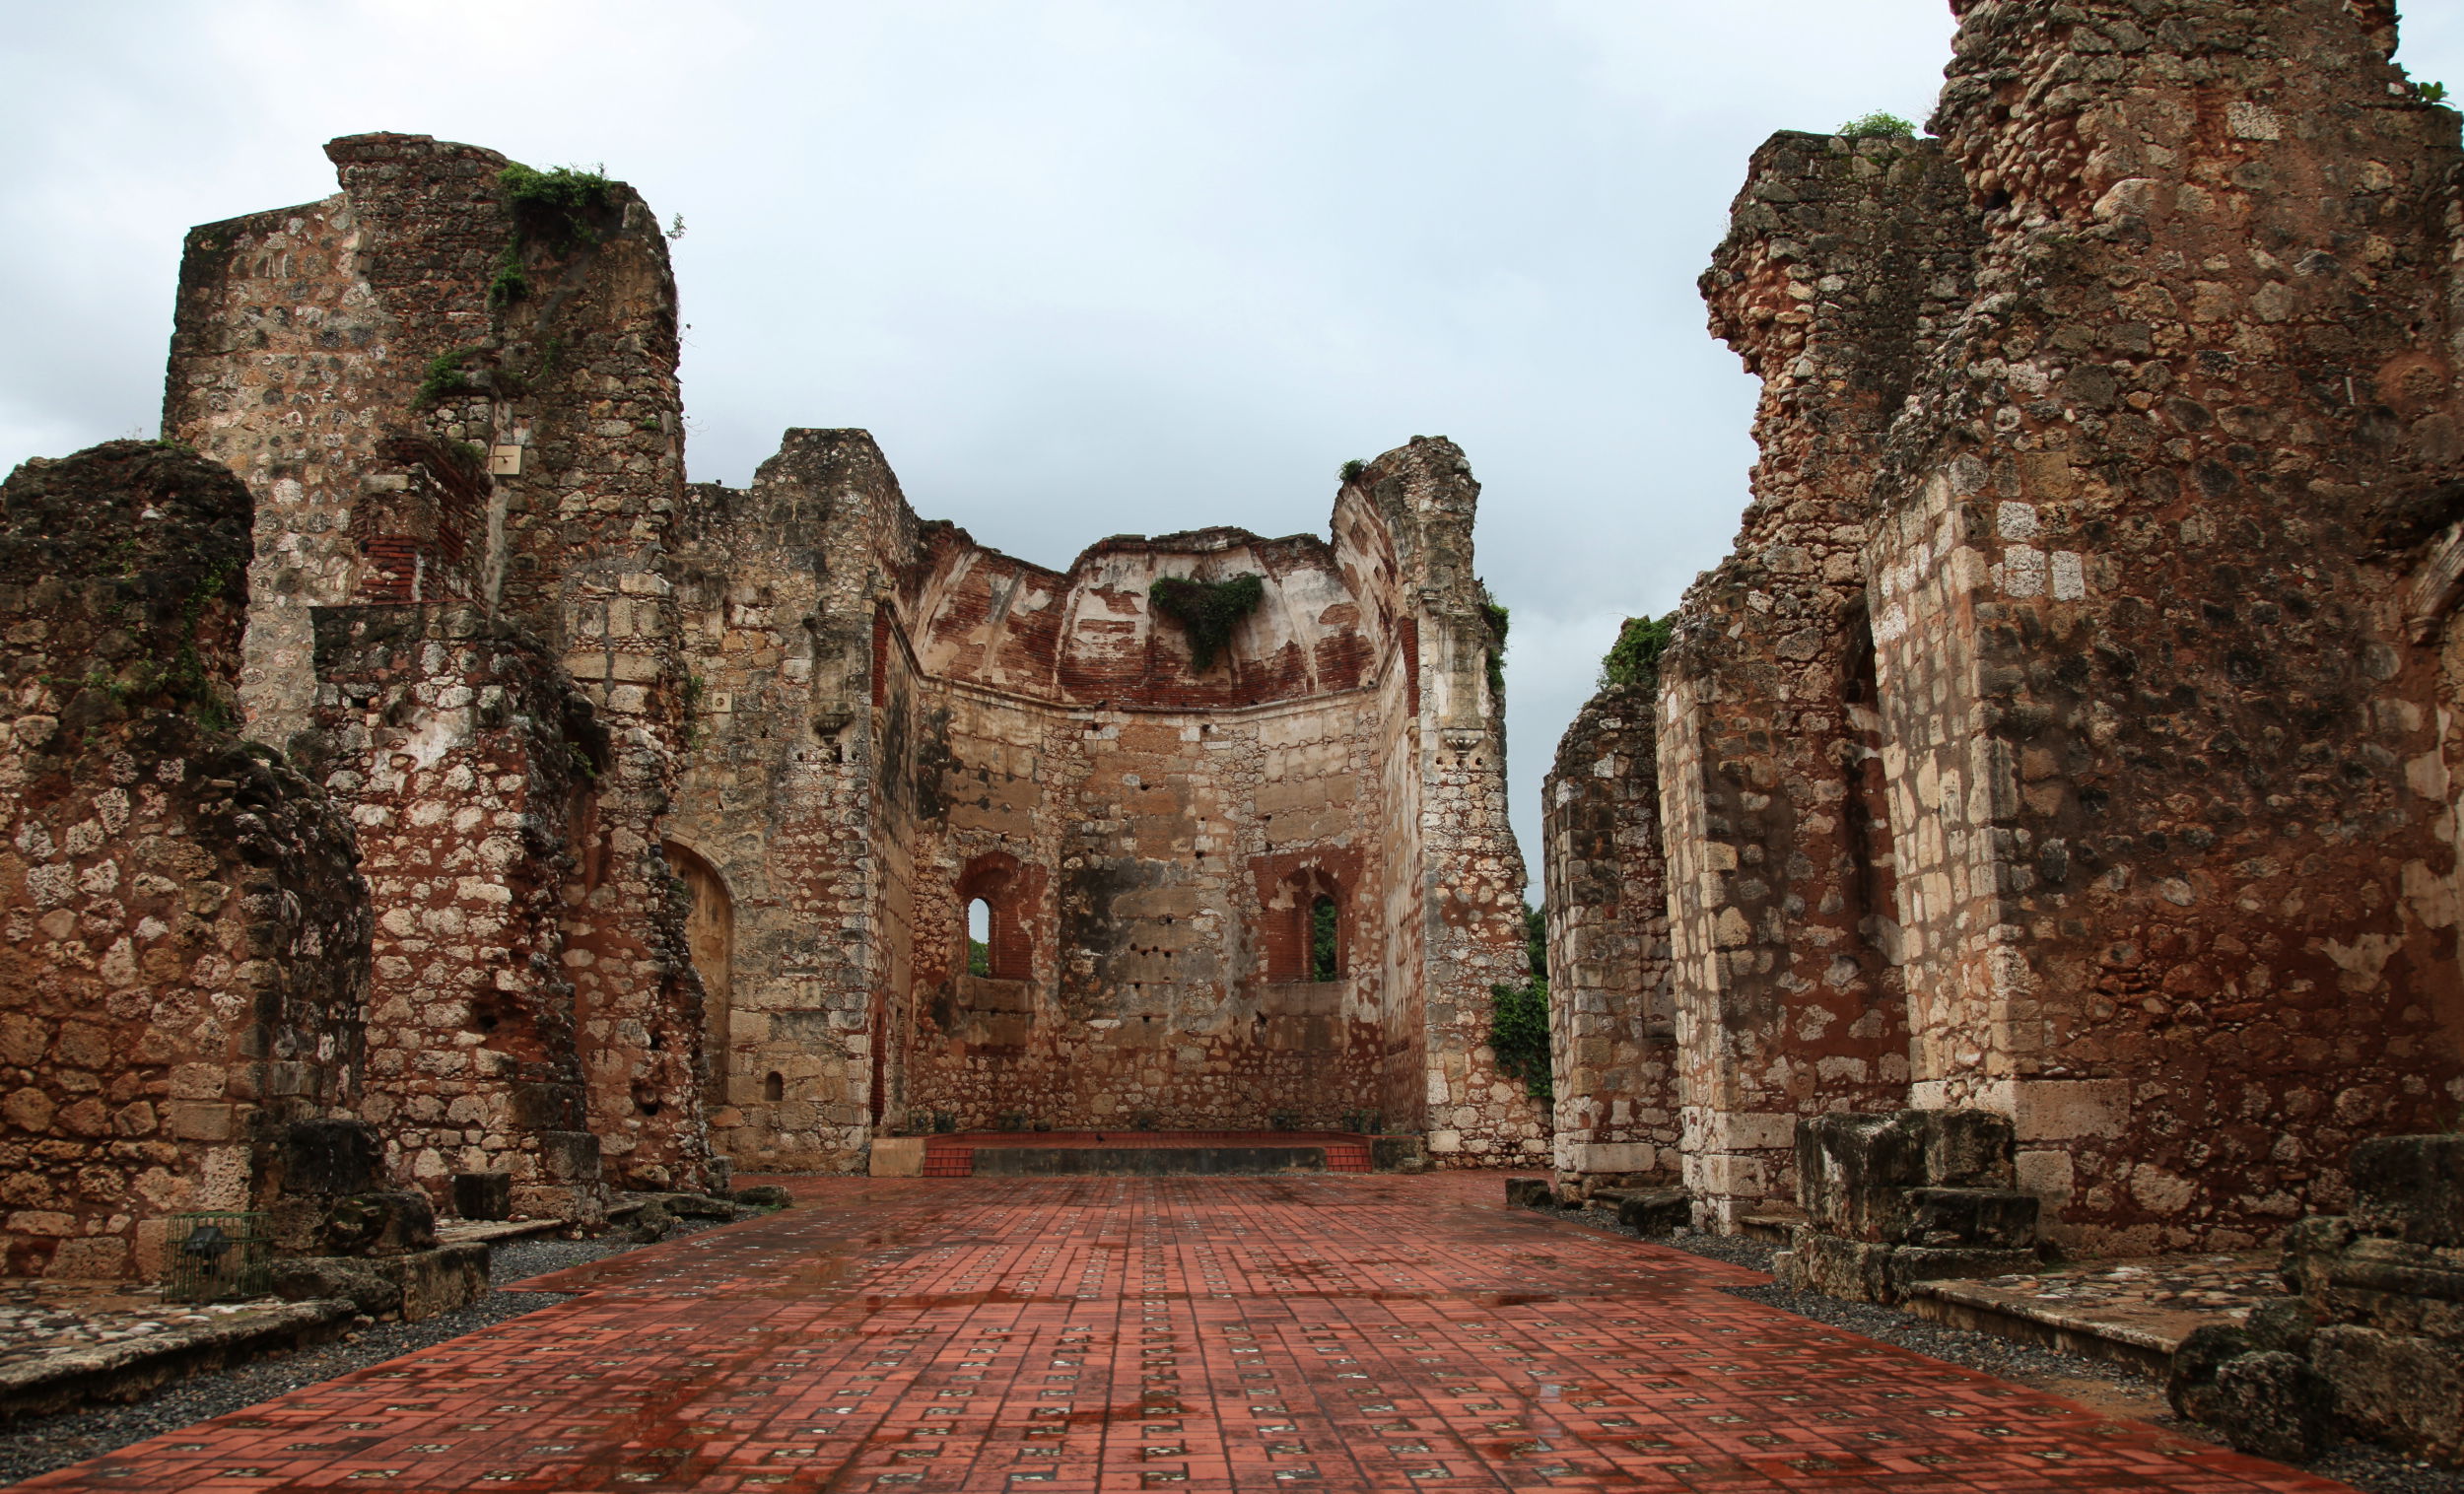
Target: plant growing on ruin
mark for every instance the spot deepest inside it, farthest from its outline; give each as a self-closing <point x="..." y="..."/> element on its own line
<point x="554" y="207"/>
<point x="1351" y="471"/>
<point x="1878" y="124"/>
<point x="1207" y="611"/>
<point x="1494" y="613"/>
<point x="2429" y="93"/>
<point x="445" y="378"/>
<point x="1518" y="1034"/>
<point x="1634" y="658"/>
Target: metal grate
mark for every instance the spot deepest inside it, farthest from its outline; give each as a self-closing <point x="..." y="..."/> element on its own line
<point x="215" y="1258"/>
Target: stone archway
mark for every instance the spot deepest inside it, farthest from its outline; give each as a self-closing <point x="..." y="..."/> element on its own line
<point x="709" y="932"/>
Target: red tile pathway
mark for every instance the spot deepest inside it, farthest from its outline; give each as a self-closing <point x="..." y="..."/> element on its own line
<point x="1195" y="1334"/>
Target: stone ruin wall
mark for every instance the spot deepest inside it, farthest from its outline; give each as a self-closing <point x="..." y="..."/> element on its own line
<point x="185" y="932"/>
<point x="535" y="474"/>
<point x="2144" y="485"/>
<point x="585" y="726"/>
<point x="1611" y="1005"/>
<point x="2189" y="914"/>
<point x="1145" y="835"/>
<point x="1837" y="274"/>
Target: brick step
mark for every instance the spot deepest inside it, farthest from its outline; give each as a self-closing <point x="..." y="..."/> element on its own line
<point x="1149" y="1154"/>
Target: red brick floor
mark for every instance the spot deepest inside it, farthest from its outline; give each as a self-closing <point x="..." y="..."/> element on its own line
<point x="1119" y="1334"/>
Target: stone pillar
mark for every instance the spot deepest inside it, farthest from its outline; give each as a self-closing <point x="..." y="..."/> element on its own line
<point x="1612" y="1015"/>
<point x="2177" y="833"/>
<point x="183" y="931"/>
<point x="1841" y="259"/>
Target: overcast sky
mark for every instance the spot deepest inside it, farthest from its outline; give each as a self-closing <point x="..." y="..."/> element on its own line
<point x="1084" y="267"/>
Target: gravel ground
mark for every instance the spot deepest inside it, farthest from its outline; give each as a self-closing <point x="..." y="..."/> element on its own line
<point x="29" y="1447"/>
<point x="2374" y="1469"/>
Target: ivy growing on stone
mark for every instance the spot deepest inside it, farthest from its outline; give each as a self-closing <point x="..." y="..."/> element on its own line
<point x="1207" y="611"/>
<point x="1634" y="658"/>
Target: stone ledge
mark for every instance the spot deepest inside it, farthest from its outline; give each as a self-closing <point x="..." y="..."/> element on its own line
<point x="2105" y="1308"/>
<point x="130" y="1368"/>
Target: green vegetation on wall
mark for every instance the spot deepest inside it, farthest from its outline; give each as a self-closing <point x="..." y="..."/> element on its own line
<point x="1878" y="123"/>
<point x="1494" y="613"/>
<point x="1634" y="658"/>
<point x="1517" y="1023"/>
<point x="1207" y="611"/>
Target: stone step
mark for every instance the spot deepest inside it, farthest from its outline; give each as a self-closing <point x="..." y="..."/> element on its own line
<point x="2108" y="1310"/>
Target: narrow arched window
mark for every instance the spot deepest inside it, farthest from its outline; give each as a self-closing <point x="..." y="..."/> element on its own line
<point x="774" y="1086"/>
<point x="1326" y="960"/>
<point x="978" y="937"/>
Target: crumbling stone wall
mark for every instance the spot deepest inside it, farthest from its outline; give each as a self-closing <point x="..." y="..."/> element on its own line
<point x="779" y="587"/>
<point x="2180" y="898"/>
<point x="1842" y="263"/>
<point x="890" y="720"/>
<point x="185" y="932"/>
<point x="470" y="769"/>
<point x="2122" y="423"/>
<point x="1611" y="1010"/>
<point x="443" y="395"/>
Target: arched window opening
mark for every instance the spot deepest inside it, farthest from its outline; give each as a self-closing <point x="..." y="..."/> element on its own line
<point x="1325" y="950"/>
<point x="774" y="1086"/>
<point x="1303" y="931"/>
<point x="978" y="937"/>
<point x="994" y="906"/>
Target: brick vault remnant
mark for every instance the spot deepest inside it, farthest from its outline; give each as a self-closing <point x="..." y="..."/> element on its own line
<point x="890" y="721"/>
<point x="2070" y="735"/>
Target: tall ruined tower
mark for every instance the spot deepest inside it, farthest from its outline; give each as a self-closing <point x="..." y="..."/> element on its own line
<point x="451" y="390"/>
<point x="2068" y="736"/>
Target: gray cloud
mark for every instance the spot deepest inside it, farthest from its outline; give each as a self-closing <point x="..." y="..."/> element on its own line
<point x="1083" y="266"/>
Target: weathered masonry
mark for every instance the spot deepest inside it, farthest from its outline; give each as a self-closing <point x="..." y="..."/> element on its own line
<point x="2071" y="735"/>
<point x="891" y="723"/>
<point x="418" y="797"/>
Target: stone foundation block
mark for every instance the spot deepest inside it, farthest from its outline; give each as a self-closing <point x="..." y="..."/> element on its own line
<point x="2400" y="1388"/>
<point x="898" y="1157"/>
<point x="1397" y="1154"/>
<point x="1991" y="1218"/>
<point x="414" y="1286"/>
<point x="483" y="1196"/>
<point x="1865" y="1270"/>
<point x="1654" y="1210"/>
<point x="2410" y="1189"/>
<point x="380" y="1224"/>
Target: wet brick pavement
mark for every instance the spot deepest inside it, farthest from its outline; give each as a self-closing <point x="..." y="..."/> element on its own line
<point x="1188" y="1334"/>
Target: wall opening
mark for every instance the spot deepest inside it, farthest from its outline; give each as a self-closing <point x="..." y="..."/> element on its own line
<point x="774" y="1086"/>
<point x="993" y="933"/>
<point x="978" y="937"/>
<point x="1866" y="810"/>
<point x="710" y="930"/>
<point x="1325" y="949"/>
<point x="1303" y="931"/>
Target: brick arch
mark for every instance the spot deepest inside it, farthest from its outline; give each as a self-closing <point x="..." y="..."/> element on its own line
<point x="1005" y="886"/>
